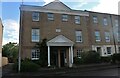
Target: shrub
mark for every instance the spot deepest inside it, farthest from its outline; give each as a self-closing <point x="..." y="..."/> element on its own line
<point x="106" y="59"/>
<point x="116" y="58"/>
<point x="90" y="57"/>
<point x="26" y="66"/>
<point x="78" y="60"/>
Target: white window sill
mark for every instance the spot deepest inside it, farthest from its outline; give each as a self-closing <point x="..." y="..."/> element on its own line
<point x="35" y="20"/>
<point x="35" y="41"/>
<point x="98" y="40"/>
<point x="79" y="41"/>
<point x="34" y="58"/>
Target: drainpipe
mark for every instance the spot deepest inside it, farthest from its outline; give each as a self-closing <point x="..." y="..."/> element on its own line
<point x="113" y="33"/>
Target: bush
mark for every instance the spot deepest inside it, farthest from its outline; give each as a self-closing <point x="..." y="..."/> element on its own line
<point x="90" y="57"/>
<point x="106" y="59"/>
<point x="116" y="58"/>
<point x="78" y="60"/>
<point x="26" y="66"/>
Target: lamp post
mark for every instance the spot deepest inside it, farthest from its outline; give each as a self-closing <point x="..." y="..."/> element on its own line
<point x="20" y="42"/>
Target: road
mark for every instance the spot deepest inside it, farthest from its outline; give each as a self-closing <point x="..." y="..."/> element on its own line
<point x="110" y="71"/>
<point x="99" y="72"/>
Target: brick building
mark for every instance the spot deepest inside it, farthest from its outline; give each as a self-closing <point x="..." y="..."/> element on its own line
<point x="68" y="32"/>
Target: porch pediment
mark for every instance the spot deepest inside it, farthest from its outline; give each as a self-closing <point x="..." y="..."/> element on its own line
<point x="60" y="40"/>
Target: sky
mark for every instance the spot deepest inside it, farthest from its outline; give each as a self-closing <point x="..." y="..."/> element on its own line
<point x="10" y="13"/>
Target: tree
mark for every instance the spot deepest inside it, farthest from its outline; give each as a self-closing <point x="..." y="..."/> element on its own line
<point x="43" y="52"/>
<point x="10" y="50"/>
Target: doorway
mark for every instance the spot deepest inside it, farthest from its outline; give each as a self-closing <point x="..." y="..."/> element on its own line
<point x="58" y="56"/>
<point x="99" y="50"/>
<point x="62" y="57"/>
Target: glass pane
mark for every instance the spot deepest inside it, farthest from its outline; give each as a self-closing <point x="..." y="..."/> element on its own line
<point x="35" y="16"/>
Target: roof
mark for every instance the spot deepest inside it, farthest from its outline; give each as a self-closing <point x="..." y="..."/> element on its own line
<point x="101" y="13"/>
<point x="57" y="5"/>
<point x="58" y="8"/>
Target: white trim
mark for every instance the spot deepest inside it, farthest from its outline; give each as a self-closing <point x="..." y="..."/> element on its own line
<point x="104" y="49"/>
<point x="48" y="56"/>
<point x="60" y="40"/>
<point x="34" y="58"/>
<point x="117" y="47"/>
<point x="0" y="60"/>
<point x="41" y="9"/>
<point x="70" y="61"/>
<point x="72" y="54"/>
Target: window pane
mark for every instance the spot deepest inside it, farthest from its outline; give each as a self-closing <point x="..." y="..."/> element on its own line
<point x="58" y="30"/>
<point x="78" y="36"/>
<point x="95" y="19"/>
<point x="118" y="36"/>
<point x="35" y="16"/>
<point x="97" y="36"/>
<point x="108" y="50"/>
<point x="79" y="51"/>
<point x="105" y="21"/>
<point x="35" y="54"/>
<point x="35" y="35"/>
<point x="116" y="22"/>
<point x="107" y="36"/>
<point x="77" y="19"/>
<point x="64" y="17"/>
<point x="50" y="16"/>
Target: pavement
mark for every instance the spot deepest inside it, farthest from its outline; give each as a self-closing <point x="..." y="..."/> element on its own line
<point x="91" y="71"/>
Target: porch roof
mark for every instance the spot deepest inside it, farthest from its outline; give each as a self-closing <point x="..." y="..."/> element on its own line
<point x="60" y="40"/>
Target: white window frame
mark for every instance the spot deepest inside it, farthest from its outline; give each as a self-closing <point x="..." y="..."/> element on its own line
<point x="79" y="51"/>
<point x="50" y="16"/>
<point x="35" y="35"/>
<point x="95" y="19"/>
<point x="77" y="19"/>
<point x="105" y="21"/>
<point x="64" y="17"/>
<point x="35" y="16"/>
<point x="78" y="36"/>
<point x="35" y="54"/>
<point x="97" y="36"/>
<point x="107" y="36"/>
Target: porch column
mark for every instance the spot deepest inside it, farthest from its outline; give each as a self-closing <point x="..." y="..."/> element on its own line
<point x="69" y="58"/>
<point x="48" y="56"/>
<point x="72" y="54"/>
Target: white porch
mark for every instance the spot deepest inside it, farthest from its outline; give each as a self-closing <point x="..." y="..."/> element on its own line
<point x="61" y="41"/>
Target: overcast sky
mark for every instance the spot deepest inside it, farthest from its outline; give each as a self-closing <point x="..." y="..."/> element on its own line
<point x="9" y="12"/>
